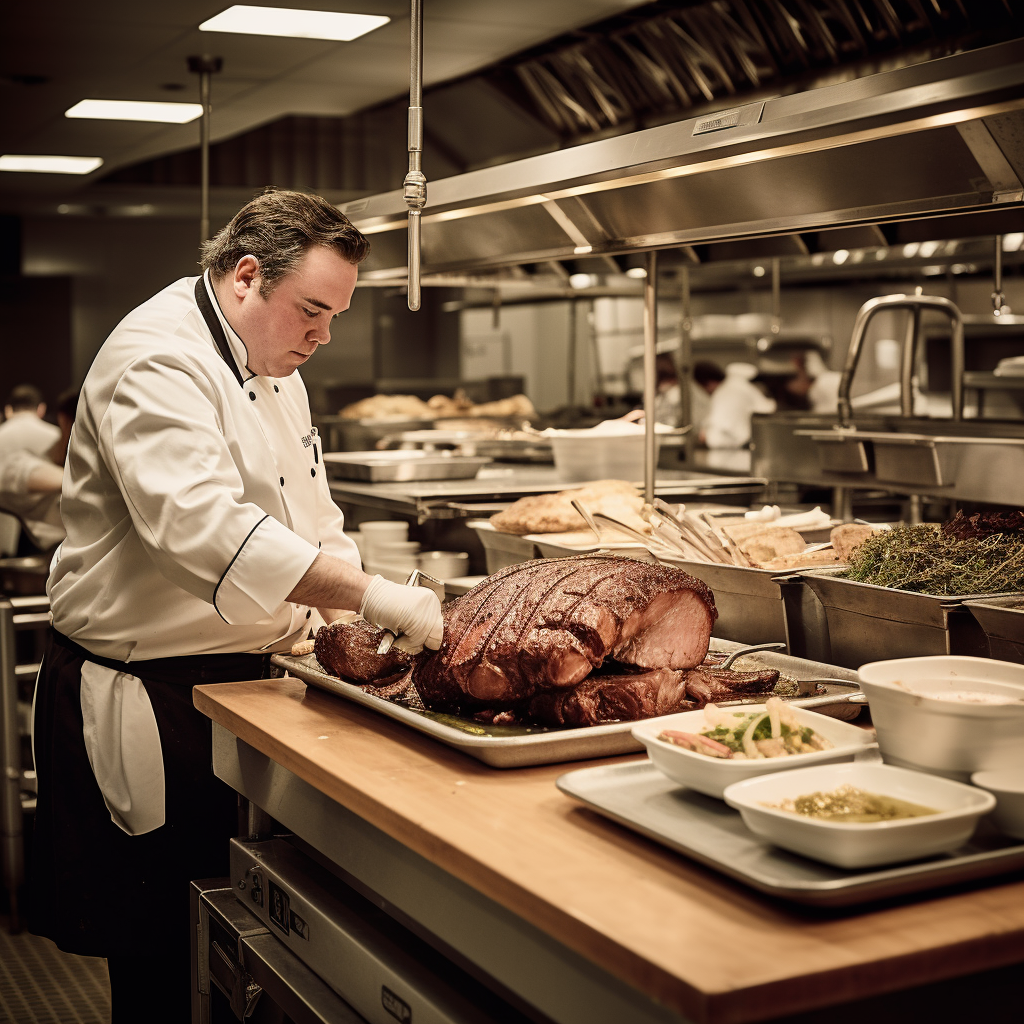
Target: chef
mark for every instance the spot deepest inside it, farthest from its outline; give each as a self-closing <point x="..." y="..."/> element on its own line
<point x="201" y="537"/>
<point x="733" y="401"/>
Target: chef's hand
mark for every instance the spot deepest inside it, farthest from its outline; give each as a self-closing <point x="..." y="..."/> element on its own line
<point x="412" y="611"/>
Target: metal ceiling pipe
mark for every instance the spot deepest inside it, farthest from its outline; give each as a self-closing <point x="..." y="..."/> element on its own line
<point x="998" y="298"/>
<point x="686" y="361"/>
<point x="204" y="66"/>
<point x="650" y="371"/>
<point x="415" y="183"/>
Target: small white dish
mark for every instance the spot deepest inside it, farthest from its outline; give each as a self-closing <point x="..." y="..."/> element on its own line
<point x="711" y="775"/>
<point x="1007" y="786"/>
<point x="862" y="845"/>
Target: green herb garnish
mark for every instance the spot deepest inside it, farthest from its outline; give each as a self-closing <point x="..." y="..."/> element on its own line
<point x="924" y="560"/>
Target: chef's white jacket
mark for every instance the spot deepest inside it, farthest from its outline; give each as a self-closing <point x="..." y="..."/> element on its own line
<point x="192" y="505"/>
<point x="733" y="402"/>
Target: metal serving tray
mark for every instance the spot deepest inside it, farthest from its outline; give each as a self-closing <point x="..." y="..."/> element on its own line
<point x="1002" y="618"/>
<point x="400" y="466"/>
<point x="871" y="623"/>
<point x="516" y="746"/>
<point x="638" y="796"/>
<point x="756" y="606"/>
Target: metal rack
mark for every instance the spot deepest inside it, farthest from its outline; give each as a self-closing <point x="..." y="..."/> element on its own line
<point x="17" y="614"/>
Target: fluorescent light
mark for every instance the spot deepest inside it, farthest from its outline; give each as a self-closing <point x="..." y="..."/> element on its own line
<point x="283" y="21"/>
<point x="136" y="110"/>
<point x="50" y="164"/>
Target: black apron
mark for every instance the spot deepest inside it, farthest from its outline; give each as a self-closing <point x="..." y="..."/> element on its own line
<point x="94" y="889"/>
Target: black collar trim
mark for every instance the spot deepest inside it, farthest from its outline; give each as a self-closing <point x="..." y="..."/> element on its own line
<point x="216" y="328"/>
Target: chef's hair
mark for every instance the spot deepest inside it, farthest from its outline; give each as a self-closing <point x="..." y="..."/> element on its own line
<point x="278" y="228"/>
<point x="25" y="396"/>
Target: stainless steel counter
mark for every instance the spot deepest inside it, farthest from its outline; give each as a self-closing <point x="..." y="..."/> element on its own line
<point x="454" y="499"/>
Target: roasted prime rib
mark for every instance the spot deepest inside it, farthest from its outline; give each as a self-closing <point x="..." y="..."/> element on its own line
<point x="569" y="641"/>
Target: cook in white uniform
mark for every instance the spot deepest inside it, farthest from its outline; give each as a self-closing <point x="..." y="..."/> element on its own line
<point x="733" y="402"/>
<point x="200" y="533"/>
<point x="29" y="475"/>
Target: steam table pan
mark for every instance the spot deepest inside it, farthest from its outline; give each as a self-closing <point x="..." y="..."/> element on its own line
<point x="401" y="466"/>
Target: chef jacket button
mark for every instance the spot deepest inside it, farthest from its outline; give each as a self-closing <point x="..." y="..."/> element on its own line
<point x="308" y="613"/>
<point x="277" y="390"/>
<point x="282" y="481"/>
<point x="312" y="472"/>
<point x="252" y="396"/>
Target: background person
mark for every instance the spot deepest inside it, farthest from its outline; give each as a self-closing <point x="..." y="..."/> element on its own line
<point x="733" y="401"/>
<point x="201" y="533"/>
<point x="31" y="470"/>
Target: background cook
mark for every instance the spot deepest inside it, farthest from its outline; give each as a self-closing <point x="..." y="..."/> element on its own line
<point x="200" y="533"/>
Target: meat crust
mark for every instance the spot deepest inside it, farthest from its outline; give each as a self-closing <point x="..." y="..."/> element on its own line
<point x="547" y="624"/>
<point x="349" y="650"/>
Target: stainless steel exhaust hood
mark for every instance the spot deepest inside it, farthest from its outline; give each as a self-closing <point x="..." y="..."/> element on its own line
<point x="941" y="137"/>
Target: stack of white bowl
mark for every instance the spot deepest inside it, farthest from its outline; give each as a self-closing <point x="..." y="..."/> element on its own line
<point x="386" y="549"/>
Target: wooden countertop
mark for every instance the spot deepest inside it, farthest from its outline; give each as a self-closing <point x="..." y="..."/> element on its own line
<point x="692" y="939"/>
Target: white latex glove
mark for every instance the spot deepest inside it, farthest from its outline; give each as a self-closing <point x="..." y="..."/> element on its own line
<point x="412" y="611"/>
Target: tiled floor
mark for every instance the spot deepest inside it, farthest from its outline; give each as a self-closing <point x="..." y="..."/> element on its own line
<point x="41" y="985"/>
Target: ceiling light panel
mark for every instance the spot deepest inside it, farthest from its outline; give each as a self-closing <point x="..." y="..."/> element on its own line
<point x="50" y="164"/>
<point x="135" y="110"/>
<point x="283" y="21"/>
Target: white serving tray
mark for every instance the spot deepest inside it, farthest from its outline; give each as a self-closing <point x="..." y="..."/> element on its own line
<point x="707" y="830"/>
<point x="516" y="746"/>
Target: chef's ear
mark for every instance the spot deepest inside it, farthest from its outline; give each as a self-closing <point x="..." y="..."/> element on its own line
<point x="246" y="276"/>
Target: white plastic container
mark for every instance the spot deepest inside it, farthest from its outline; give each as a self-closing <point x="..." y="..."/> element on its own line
<point x="861" y="845"/>
<point x="917" y="728"/>
<point x="582" y="455"/>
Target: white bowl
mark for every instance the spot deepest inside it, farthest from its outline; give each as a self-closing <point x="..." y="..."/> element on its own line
<point x="711" y="775"/>
<point x="918" y="729"/>
<point x="1007" y="786"/>
<point x="444" y="565"/>
<point x="383" y="530"/>
<point x="852" y="845"/>
<point x="389" y="548"/>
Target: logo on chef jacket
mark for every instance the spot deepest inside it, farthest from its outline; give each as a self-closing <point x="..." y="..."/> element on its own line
<point x="307" y="441"/>
<point x="398" y="1008"/>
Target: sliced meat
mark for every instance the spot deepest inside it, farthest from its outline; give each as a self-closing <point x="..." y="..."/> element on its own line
<point x="349" y="650"/>
<point x="706" y="684"/>
<point x="613" y="698"/>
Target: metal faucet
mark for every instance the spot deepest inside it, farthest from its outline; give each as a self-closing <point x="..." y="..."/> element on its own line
<point x="915" y="304"/>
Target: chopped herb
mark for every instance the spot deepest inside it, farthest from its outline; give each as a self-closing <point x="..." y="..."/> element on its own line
<point x="925" y="560"/>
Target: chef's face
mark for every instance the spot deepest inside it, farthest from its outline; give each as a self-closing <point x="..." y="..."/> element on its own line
<point x="283" y="329"/>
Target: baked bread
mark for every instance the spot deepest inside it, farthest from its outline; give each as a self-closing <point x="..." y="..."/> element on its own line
<point x="553" y="513"/>
<point x="772" y="542"/>
<point x="848" y="537"/>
